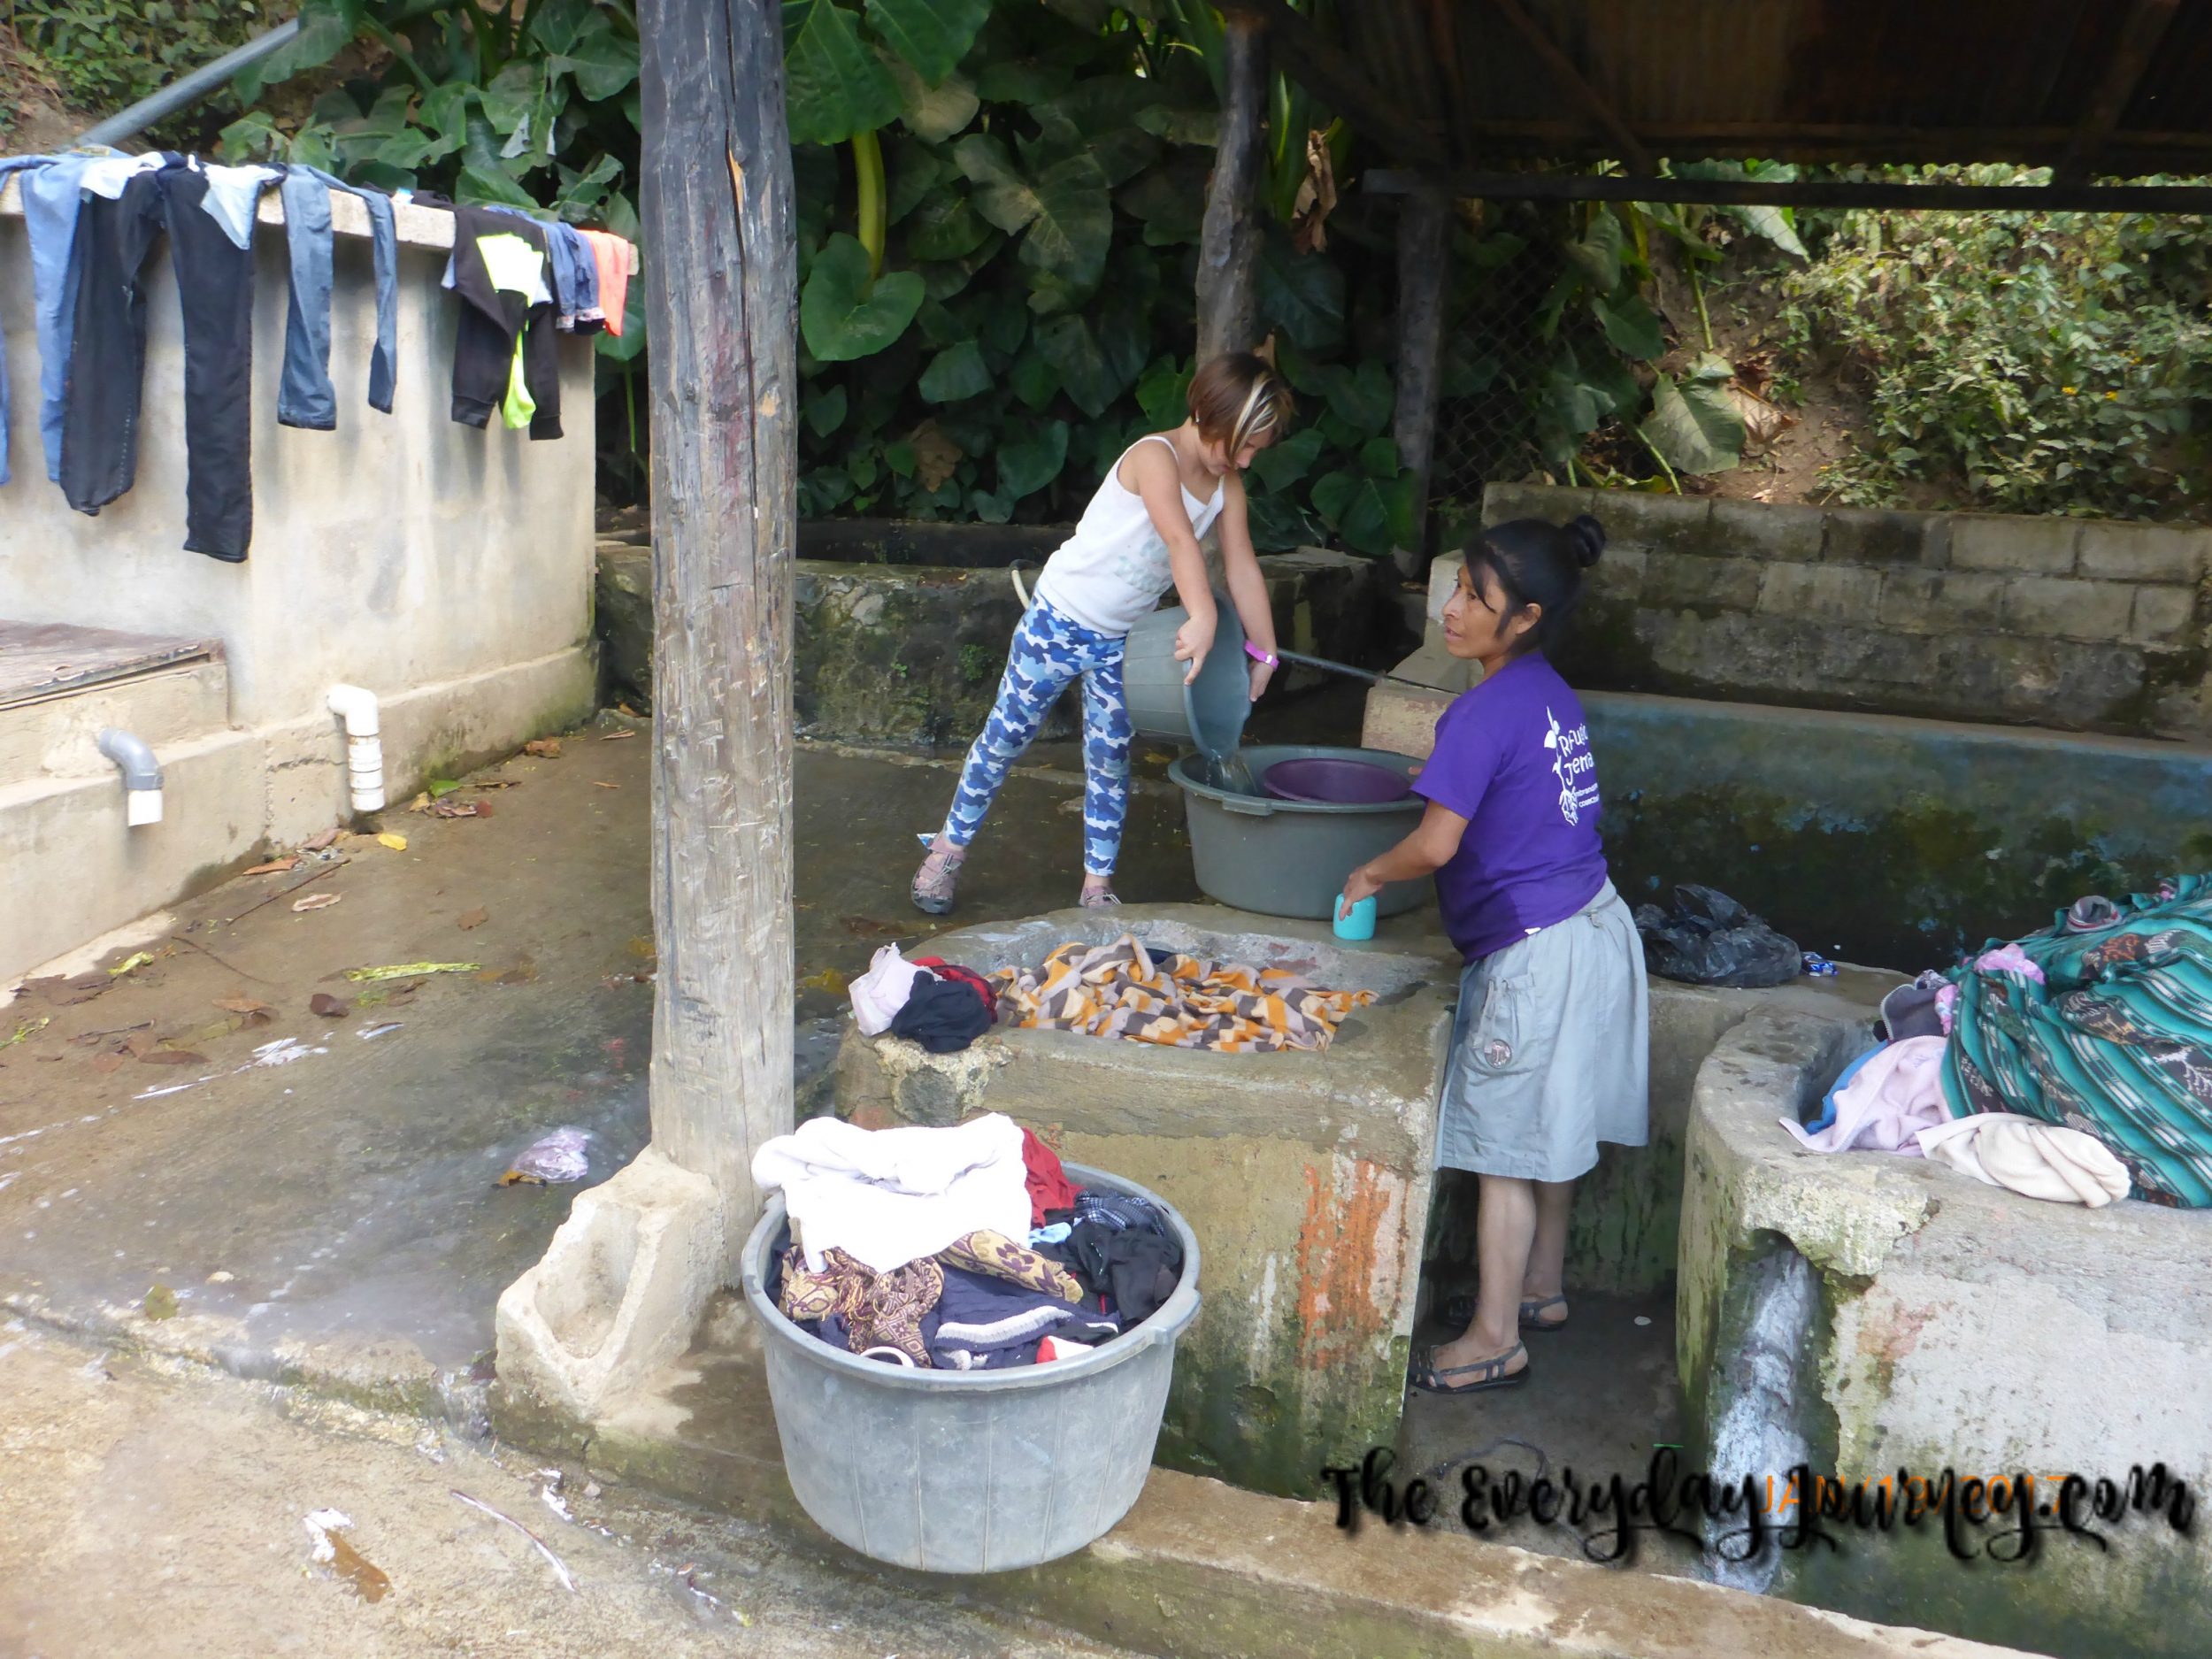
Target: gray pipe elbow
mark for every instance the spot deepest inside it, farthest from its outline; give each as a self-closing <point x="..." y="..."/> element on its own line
<point x="141" y="770"/>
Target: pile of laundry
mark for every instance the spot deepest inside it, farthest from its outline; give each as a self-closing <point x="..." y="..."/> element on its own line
<point x="965" y="1248"/>
<point x="2072" y="1064"/>
<point x="1123" y="990"/>
<point x="926" y="1000"/>
<point x="92" y="218"/>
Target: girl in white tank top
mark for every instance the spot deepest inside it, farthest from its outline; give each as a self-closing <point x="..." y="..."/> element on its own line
<point x="1137" y="539"/>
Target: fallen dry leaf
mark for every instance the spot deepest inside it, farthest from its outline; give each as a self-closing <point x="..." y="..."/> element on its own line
<point x="328" y="1006"/>
<point x="642" y="948"/>
<point x="407" y="969"/>
<point x="829" y="979"/>
<point x="397" y="844"/>
<point x="171" y="1056"/>
<point x="131" y="964"/>
<point x="598" y="785"/>
<point x="275" y="866"/>
<point x="483" y="808"/>
<point x="321" y="842"/>
<point x="255" y="1013"/>
<point x="420" y="804"/>
<point x="616" y="737"/>
<point x="160" y="1303"/>
<point x="107" y="1064"/>
<point x="515" y="1177"/>
<point x="548" y="747"/>
<point x="316" y="902"/>
<point x="56" y="992"/>
<point x="523" y="973"/>
<point x="624" y="708"/>
<point x="450" y="809"/>
<point x="493" y="783"/>
<point x="367" y="1579"/>
<point x="476" y="918"/>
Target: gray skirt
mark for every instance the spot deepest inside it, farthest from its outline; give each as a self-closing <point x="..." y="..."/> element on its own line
<point x="1550" y="1051"/>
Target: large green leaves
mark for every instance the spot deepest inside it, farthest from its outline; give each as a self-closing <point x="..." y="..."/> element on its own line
<point x="846" y="313"/>
<point x="1302" y="294"/>
<point x="1693" y="424"/>
<point x="1094" y="367"/>
<point x="955" y="372"/>
<point x="1027" y="463"/>
<point x="933" y="35"/>
<point x="1065" y="213"/>
<point x="834" y="85"/>
<point x="326" y="27"/>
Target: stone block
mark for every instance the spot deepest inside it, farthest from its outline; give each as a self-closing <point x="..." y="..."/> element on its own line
<point x="1865" y="1296"/>
<point x="1306" y="1176"/>
<point x="1553" y="502"/>
<point x="1685" y="581"/>
<point x="1873" y="535"/>
<point x="1660" y="523"/>
<point x="2144" y="552"/>
<point x="2164" y="616"/>
<point x="1941" y="601"/>
<point x="1755" y="529"/>
<point x="2061" y="608"/>
<point x="1993" y="542"/>
<point x="1848" y="593"/>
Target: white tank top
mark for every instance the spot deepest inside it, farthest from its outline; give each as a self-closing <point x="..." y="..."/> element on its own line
<point x="1113" y="570"/>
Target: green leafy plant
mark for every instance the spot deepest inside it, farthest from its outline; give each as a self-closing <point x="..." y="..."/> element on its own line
<point x="2015" y="361"/>
<point x="105" y="54"/>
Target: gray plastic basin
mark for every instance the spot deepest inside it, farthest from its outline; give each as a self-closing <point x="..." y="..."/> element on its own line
<point x="1290" y="857"/>
<point x="970" y="1471"/>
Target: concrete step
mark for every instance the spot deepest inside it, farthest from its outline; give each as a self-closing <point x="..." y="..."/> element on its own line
<point x="56" y="735"/>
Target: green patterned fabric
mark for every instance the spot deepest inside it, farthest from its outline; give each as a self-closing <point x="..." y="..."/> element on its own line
<point x="2116" y="1043"/>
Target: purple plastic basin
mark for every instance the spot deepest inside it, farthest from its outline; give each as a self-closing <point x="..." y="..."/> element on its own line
<point x="1325" y="782"/>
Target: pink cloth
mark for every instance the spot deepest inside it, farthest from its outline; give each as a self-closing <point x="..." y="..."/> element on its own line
<point x="611" y="255"/>
<point x="2008" y="959"/>
<point x="1894" y="1095"/>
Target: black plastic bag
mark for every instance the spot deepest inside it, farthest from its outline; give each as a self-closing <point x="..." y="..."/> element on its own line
<point x="1708" y="939"/>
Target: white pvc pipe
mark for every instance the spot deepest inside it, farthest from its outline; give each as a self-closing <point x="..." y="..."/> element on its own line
<point x="365" y="749"/>
<point x="141" y="775"/>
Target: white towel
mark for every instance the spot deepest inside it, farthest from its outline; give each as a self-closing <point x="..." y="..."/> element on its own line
<point x="2041" y="1160"/>
<point x="1896" y="1092"/>
<point x="889" y="1196"/>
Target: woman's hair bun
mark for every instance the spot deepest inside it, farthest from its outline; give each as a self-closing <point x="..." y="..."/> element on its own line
<point x="1588" y="536"/>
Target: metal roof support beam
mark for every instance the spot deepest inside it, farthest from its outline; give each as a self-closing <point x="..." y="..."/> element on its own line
<point x="1323" y="69"/>
<point x="1572" y="81"/>
<point x="2131" y="52"/>
<point x="1976" y="198"/>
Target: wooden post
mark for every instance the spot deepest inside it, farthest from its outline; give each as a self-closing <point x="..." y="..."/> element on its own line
<point x="1229" y="248"/>
<point x="1425" y="273"/>
<point x="721" y="302"/>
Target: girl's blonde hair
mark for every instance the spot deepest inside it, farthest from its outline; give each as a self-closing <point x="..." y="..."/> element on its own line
<point x="1237" y="400"/>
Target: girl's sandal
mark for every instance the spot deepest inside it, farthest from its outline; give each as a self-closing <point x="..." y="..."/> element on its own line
<point x="1530" y="1312"/>
<point x="1489" y="1373"/>
<point x="935" y="882"/>
<point x="1098" y="899"/>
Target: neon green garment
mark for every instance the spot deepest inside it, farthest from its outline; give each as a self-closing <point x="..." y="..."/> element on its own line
<point x="516" y="268"/>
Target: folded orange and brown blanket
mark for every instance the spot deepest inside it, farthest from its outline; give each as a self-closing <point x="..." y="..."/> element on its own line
<point x="1123" y="990"/>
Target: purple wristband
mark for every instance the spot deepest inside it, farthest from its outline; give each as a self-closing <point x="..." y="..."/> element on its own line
<point x="1259" y="655"/>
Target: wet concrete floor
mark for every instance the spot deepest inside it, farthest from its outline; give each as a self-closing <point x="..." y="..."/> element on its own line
<point x="160" y="1512"/>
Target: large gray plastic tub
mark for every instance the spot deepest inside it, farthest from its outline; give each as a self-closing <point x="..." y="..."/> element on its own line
<point x="1290" y="857"/>
<point x="1208" y="713"/>
<point x="970" y="1471"/>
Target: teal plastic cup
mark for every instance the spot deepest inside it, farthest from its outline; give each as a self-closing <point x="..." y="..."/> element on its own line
<point x="1360" y="924"/>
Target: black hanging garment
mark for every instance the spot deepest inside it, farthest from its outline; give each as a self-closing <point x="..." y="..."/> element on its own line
<point x="101" y="407"/>
<point x="493" y="314"/>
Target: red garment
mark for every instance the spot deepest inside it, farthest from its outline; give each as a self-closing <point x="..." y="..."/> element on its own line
<point x="1049" y="1188"/>
<point x="968" y="977"/>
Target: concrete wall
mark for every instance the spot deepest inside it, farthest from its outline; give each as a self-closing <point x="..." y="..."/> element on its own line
<point x="397" y="551"/>
<point x="2073" y="624"/>
<point x="446" y="569"/>
<point x="911" y="653"/>
<point x="1952" y="1325"/>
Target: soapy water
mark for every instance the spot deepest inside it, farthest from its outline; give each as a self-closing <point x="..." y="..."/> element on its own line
<point x="1228" y="771"/>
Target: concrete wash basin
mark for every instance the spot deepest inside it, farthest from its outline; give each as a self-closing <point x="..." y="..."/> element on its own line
<point x="1867" y="1312"/>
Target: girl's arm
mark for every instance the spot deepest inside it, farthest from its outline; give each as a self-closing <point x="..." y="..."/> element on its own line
<point x="1424" y="852"/>
<point x="1160" y="486"/>
<point x="1247" y="588"/>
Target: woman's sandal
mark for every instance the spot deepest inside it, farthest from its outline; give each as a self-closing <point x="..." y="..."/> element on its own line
<point x="1460" y="1311"/>
<point x="1489" y="1373"/>
<point x="934" y="887"/>
<point x="1530" y="1310"/>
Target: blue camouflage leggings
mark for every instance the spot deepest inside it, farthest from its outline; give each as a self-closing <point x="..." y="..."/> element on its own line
<point x="1049" y="652"/>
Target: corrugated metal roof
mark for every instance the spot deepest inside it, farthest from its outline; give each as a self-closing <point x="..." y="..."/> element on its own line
<point x="1864" y="80"/>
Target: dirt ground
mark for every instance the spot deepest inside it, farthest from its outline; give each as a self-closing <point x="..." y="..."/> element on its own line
<point x="161" y="1513"/>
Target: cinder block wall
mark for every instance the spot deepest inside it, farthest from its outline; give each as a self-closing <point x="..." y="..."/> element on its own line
<point x="2079" y="624"/>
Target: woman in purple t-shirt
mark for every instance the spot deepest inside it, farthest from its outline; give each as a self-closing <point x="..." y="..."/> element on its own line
<point x="1550" y="1048"/>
